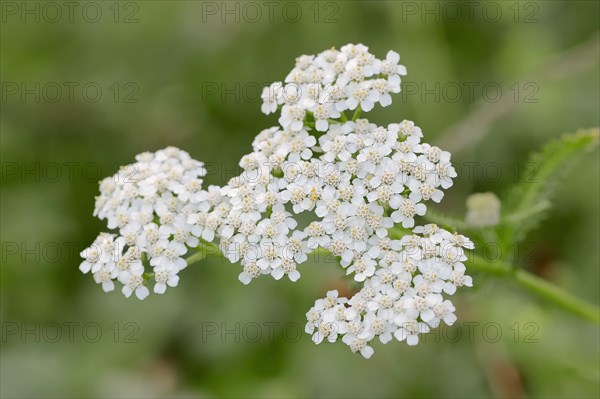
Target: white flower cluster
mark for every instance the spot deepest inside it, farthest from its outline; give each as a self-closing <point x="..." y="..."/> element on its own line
<point x="148" y="202"/>
<point x="403" y="299"/>
<point x="356" y="181"/>
<point x="322" y="180"/>
<point x="321" y="87"/>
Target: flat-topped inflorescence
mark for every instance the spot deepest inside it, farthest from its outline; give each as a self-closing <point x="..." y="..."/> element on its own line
<point x="356" y="187"/>
<point x="148" y="204"/>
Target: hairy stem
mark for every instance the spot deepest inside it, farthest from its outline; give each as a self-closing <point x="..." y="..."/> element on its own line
<point x="532" y="283"/>
<point x="538" y="286"/>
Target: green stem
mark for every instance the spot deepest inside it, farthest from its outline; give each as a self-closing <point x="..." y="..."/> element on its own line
<point x="560" y="297"/>
<point x="205" y="249"/>
<point x="532" y="283"/>
<point x="356" y="114"/>
<point x="540" y="287"/>
<point x="197" y="257"/>
<point x="537" y="286"/>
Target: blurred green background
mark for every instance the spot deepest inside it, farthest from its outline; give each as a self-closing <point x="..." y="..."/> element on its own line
<point x="489" y="81"/>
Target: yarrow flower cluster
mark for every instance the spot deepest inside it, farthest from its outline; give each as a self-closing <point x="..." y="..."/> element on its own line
<point x="321" y="180"/>
<point x="357" y="181"/>
<point x="147" y="203"/>
<point x="321" y="87"/>
<point x="403" y="299"/>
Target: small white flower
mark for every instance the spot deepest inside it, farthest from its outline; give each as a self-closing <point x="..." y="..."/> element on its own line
<point x="391" y="67"/>
<point x="270" y="96"/>
<point x="165" y="275"/>
<point x="407" y="210"/>
<point x="101" y="252"/>
<point x="361" y="94"/>
<point x="292" y="117"/>
<point x="105" y="277"/>
<point x="322" y="113"/>
<point x="438" y="310"/>
<point x="409" y="329"/>
<point x="363" y="267"/>
<point x="457" y="279"/>
<point x="133" y="282"/>
<point x="358" y="345"/>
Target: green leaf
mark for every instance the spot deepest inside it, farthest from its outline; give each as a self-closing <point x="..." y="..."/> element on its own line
<point x="527" y="203"/>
